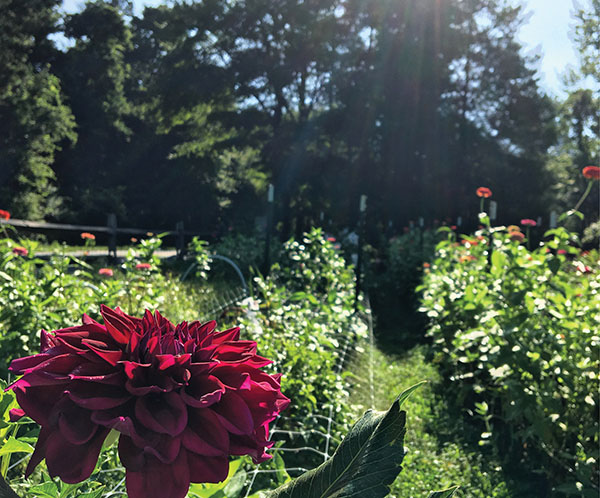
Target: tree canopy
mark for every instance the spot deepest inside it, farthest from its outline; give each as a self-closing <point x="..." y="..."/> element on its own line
<point x="189" y="110"/>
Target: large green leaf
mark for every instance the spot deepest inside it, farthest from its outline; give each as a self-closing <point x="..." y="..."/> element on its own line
<point x="365" y="464"/>
<point x="444" y="493"/>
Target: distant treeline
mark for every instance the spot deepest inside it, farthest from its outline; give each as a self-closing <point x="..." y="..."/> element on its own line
<point x="189" y="111"/>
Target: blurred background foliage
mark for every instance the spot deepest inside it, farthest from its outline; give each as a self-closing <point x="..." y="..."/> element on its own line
<point x="188" y="111"/>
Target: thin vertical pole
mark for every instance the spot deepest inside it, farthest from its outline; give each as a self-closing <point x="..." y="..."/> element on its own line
<point x="269" y="233"/>
<point x="111" y="223"/>
<point x="361" y="226"/>
<point x="180" y="239"/>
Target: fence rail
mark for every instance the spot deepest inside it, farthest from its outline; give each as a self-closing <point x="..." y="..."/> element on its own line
<point x="111" y="229"/>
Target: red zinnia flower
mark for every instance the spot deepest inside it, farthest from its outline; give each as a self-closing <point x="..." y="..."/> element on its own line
<point x="183" y="399"/>
<point x="330" y="239"/>
<point x="105" y="272"/>
<point x="526" y="222"/>
<point x="561" y="251"/>
<point x="20" y="251"/>
<point x="87" y="235"/>
<point x="591" y="172"/>
<point x="484" y="192"/>
<point x="453" y="227"/>
<point x="4" y="215"/>
<point x="143" y="266"/>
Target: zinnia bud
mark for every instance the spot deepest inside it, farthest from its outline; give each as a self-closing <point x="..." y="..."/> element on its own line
<point x="183" y="398"/>
<point x="484" y="192"/>
<point x="591" y="172"/>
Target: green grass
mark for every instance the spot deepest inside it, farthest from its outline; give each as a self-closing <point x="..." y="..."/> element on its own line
<point x="434" y="460"/>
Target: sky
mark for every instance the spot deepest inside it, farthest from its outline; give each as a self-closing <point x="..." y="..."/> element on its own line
<point x="546" y="32"/>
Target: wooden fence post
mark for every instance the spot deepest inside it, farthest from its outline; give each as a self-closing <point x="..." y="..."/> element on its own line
<point x="111" y="223"/>
<point x="180" y="239"/>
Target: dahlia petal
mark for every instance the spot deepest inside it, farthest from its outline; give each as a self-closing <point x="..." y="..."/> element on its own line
<point x="205" y="434"/>
<point x="234" y="414"/>
<point x="75" y="425"/>
<point x="39" y="452"/>
<point x="165" y="449"/>
<point x="157" y="480"/>
<point x="164" y="413"/>
<point x="73" y="463"/>
<point x="16" y="414"/>
<point x="118" y="325"/>
<point x="233" y="350"/>
<point x="226" y="336"/>
<point x="19" y="365"/>
<point x="246" y="445"/>
<point x="110" y="356"/>
<point x="232" y="377"/>
<point x="37" y="402"/>
<point x="131" y="456"/>
<point x="207" y="469"/>
<point x="168" y="360"/>
<point x="47" y="341"/>
<point x="102" y="397"/>
<point x="203" y="391"/>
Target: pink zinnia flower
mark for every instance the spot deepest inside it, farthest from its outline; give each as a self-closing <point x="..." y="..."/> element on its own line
<point x="183" y="399"/>
<point x="143" y="266"/>
<point x="330" y="239"/>
<point x="527" y="222"/>
<point x="561" y="251"/>
<point x="105" y="272"/>
<point x="20" y="251"/>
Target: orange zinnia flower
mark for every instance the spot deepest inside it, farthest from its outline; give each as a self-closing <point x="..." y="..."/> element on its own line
<point x="87" y="235"/>
<point x="591" y="172"/>
<point x="484" y="192"/>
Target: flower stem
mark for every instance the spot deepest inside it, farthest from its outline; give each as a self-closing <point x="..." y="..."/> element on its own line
<point x="585" y="194"/>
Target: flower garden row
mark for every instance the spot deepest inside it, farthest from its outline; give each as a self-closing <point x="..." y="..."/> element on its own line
<point x="515" y="334"/>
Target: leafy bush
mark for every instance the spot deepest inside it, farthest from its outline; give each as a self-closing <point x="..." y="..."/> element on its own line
<point x="515" y="333"/>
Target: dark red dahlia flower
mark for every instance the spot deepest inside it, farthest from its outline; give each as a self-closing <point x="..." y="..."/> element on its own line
<point x="183" y="399"/>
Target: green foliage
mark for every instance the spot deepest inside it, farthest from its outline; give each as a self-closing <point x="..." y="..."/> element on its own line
<point x="366" y="462"/>
<point x="515" y="333"/>
<point x="302" y="316"/>
<point x="199" y="250"/>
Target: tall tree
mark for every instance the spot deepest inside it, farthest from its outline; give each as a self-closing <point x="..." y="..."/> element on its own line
<point x="94" y="74"/>
<point x="35" y="122"/>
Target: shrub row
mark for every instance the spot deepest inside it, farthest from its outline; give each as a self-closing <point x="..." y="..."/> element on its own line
<point x="515" y="334"/>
